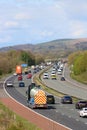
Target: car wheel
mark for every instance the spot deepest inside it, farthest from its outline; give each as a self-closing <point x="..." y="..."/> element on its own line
<point x="79" y="115"/>
<point x="76" y="107"/>
<point x="82" y="116"/>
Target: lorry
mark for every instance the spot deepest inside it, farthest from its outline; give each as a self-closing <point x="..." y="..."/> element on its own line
<point x="18" y="70"/>
<point x="36" y="97"/>
<point x="26" y="70"/>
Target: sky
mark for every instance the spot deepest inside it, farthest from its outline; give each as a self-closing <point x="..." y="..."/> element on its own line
<point x="39" y="21"/>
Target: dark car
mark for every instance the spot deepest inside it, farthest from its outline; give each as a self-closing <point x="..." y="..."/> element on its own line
<point x="62" y="79"/>
<point x="29" y="71"/>
<point x="21" y="84"/>
<point x="80" y="104"/>
<point x="35" y="70"/>
<point x="66" y="99"/>
<point x="50" y="99"/>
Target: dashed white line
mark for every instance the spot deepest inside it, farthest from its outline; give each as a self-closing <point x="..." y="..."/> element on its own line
<point x="77" y="119"/>
<point x="72" y="109"/>
<point x="69" y="116"/>
<point x="56" y="111"/>
<point x="63" y="114"/>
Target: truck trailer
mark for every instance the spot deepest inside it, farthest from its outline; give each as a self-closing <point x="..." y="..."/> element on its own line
<point x="36" y="97"/>
<point x="18" y="70"/>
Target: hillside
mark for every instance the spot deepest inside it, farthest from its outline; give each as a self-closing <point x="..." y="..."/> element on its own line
<point x="55" y="48"/>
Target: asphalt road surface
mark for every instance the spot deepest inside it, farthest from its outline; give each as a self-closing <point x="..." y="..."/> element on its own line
<point x="65" y="114"/>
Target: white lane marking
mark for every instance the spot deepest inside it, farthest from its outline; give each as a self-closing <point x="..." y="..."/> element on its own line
<point x="72" y="109"/>
<point x="69" y="116"/>
<point x="31" y="109"/>
<point x="63" y="114"/>
<point x="77" y="119"/>
<point x="57" y="111"/>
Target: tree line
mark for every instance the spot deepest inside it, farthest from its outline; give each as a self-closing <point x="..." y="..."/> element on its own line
<point x="78" y="61"/>
<point x="9" y="60"/>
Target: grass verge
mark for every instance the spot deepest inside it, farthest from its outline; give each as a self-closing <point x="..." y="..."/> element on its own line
<point x="37" y="80"/>
<point x="11" y="121"/>
<point x="81" y="78"/>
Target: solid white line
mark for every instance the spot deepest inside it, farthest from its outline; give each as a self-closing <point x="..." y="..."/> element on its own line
<point x="30" y="109"/>
<point x="76" y="84"/>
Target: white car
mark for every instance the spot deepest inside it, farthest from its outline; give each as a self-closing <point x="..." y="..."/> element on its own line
<point x="53" y="69"/>
<point x="46" y="75"/>
<point x="15" y="74"/>
<point x="59" y="72"/>
<point x="9" y="84"/>
<point x="53" y="73"/>
<point x="83" y="112"/>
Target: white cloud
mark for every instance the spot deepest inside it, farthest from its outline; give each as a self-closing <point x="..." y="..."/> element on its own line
<point x="77" y="28"/>
<point x="22" y="16"/>
<point x="20" y="0"/>
<point x="5" y="39"/>
<point x="46" y="33"/>
<point x="11" y="24"/>
<point x="78" y="33"/>
<point x="41" y="20"/>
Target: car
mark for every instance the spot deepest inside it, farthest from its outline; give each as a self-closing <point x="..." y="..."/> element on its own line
<point x="62" y="79"/>
<point x="59" y="72"/>
<point x="29" y="71"/>
<point x="46" y="75"/>
<point x="83" y="112"/>
<point x="66" y="99"/>
<point x="21" y="84"/>
<point x="54" y="69"/>
<point x="35" y="71"/>
<point x="50" y="99"/>
<point x="29" y="76"/>
<point x="9" y="84"/>
<point x="15" y="74"/>
<point x="81" y="104"/>
<point x="53" y="76"/>
<point x="19" y="77"/>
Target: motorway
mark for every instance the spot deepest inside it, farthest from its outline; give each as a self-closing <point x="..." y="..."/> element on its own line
<point x="69" y="86"/>
<point x="65" y="114"/>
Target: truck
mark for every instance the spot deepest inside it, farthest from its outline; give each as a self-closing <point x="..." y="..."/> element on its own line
<point x="26" y="70"/>
<point x="18" y="70"/>
<point x="36" y="97"/>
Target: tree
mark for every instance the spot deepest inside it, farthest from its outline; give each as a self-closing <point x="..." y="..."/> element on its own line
<point x="80" y="63"/>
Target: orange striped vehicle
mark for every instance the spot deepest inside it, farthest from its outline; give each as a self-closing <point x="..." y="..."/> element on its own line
<point x="36" y="97"/>
<point x="40" y="99"/>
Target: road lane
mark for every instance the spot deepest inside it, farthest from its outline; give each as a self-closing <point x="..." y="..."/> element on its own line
<point x="66" y="87"/>
<point x="65" y="114"/>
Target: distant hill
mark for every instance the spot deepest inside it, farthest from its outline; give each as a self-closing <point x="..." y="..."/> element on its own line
<point x="53" y="49"/>
<point x="18" y="47"/>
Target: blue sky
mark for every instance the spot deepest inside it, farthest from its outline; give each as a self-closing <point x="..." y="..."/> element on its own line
<point x="38" y="21"/>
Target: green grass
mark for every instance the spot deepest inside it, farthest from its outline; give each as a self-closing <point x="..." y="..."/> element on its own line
<point x="81" y="78"/>
<point x="11" y="121"/>
<point x="37" y="80"/>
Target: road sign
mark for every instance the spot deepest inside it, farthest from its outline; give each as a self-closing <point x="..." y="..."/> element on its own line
<point x="24" y="65"/>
